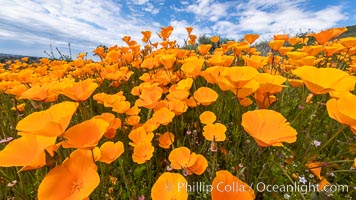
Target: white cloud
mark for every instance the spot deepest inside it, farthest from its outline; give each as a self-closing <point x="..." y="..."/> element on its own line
<point x="141" y="2"/>
<point x="86" y="23"/>
<point x="208" y="9"/>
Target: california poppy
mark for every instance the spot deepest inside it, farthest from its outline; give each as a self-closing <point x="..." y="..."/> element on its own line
<point x="44" y="92"/>
<point x="170" y="186"/>
<point x="85" y="135"/>
<point x="205" y="96"/>
<point x="163" y="116"/>
<point x="238" y="189"/>
<point x="140" y="135"/>
<point x="207" y="117"/>
<point x="27" y="151"/>
<point x="192" y="66"/>
<point x="199" y="166"/>
<point x="215" y="132"/>
<point x="76" y="178"/>
<point x="142" y="152"/>
<point x="166" y="140"/>
<point x="114" y="124"/>
<point x="342" y="111"/>
<point x="79" y="91"/>
<point x="251" y="38"/>
<point x="276" y="44"/>
<point x="323" y="36"/>
<point x="214" y="39"/>
<point x="203" y="49"/>
<point x="324" y="80"/>
<point x="268" y="128"/>
<point x="181" y="158"/>
<point x="110" y="151"/>
<point x="50" y="122"/>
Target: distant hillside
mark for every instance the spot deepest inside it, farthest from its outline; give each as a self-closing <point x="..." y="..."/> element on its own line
<point x="351" y="32"/>
<point x="5" y="57"/>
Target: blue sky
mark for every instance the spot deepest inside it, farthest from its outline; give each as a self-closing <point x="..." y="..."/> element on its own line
<point x="28" y="27"/>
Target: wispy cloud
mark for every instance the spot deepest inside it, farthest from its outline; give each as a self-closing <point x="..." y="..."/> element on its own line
<point x="86" y="23"/>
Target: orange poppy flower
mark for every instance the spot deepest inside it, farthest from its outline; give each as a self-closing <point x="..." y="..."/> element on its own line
<point x="142" y="152"/>
<point x="27" y="151"/>
<point x="19" y="108"/>
<point x="170" y="186"/>
<point x="40" y="93"/>
<point x="255" y="61"/>
<point x="281" y="37"/>
<point x="203" y="49"/>
<point x="110" y="151"/>
<point x="146" y="35"/>
<point x="322" y="184"/>
<point x="342" y="110"/>
<point x="251" y="38"/>
<point x="295" y="83"/>
<point x="182" y="158"/>
<point x="212" y="74"/>
<point x="268" y="128"/>
<point x="245" y="101"/>
<point x="214" y="39"/>
<point x="227" y="186"/>
<point x="149" y="96"/>
<point x="177" y="106"/>
<point x="215" y="132"/>
<point x="192" y="39"/>
<point x="239" y="76"/>
<point x="205" y="96"/>
<point x="207" y="117"/>
<point x="269" y="84"/>
<point x="134" y="110"/>
<point x="163" y="116"/>
<point x="323" y="36"/>
<point x="315" y="168"/>
<point x="283" y="50"/>
<point x="51" y="122"/>
<point x="264" y="100"/>
<point x="167" y="60"/>
<point x="199" y="166"/>
<point x="313" y="50"/>
<point x="166" y="139"/>
<point x="189" y="30"/>
<point x="85" y="135"/>
<point x="276" y="44"/>
<point x="178" y="93"/>
<point x="140" y="135"/>
<point x="76" y="178"/>
<point x="324" y="80"/>
<point x="192" y="66"/>
<point x="348" y="42"/>
<point x="114" y="124"/>
<point x="79" y="91"/>
<point x="16" y="90"/>
<point x="133" y="120"/>
<point x="121" y="106"/>
<point x="294" y="40"/>
<point x="165" y="32"/>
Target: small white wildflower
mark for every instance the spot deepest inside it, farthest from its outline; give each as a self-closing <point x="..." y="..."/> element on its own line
<point x="316" y="143"/>
<point x="286" y="196"/>
<point x="12" y="184"/>
<point x="302" y="180"/>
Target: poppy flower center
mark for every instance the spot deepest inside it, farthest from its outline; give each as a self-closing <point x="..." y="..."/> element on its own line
<point x="77" y="186"/>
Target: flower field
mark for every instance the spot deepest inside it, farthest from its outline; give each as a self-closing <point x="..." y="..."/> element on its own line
<point x="202" y="121"/>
